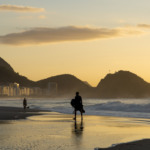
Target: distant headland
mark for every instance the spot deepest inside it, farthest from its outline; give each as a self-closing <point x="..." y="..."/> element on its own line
<point x="121" y="84"/>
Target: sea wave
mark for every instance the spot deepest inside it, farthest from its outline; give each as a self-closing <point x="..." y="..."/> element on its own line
<point x="112" y="108"/>
<point x="138" y="108"/>
<point x="119" y="106"/>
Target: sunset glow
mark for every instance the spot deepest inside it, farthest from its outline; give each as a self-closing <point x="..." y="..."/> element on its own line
<point x="85" y="38"/>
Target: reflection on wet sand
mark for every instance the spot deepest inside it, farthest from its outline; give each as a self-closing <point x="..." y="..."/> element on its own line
<point x="58" y="131"/>
<point x="78" y="128"/>
<point x="77" y="133"/>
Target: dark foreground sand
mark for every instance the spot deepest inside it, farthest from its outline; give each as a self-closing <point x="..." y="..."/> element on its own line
<point x="138" y="145"/>
<point x="12" y="113"/>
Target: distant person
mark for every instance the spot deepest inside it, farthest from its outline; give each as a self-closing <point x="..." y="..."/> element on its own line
<point x="24" y="103"/>
<point x="77" y="104"/>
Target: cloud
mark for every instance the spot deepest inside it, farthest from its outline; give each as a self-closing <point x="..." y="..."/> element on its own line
<point x="32" y="17"/>
<point x="25" y="17"/>
<point x="41" y="17"/>
<point x="144" y="25"/>
<point x="69" y="33"/>
<point x="20" y="8"/>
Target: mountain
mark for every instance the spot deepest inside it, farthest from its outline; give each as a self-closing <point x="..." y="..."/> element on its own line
<point x="123" y="84"/>
<point x="87" y="83"/>
<point x="8" y="75"/>
<point x="67" y="85"/>
<point x="4" y="64"/>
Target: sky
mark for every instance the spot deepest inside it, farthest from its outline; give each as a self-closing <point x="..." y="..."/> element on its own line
<point x="85" y="38"/>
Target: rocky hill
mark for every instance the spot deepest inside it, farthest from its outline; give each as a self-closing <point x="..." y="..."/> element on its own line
<point x="123" y="84"/>
<point x="67" y="85"/>
<point x="4" y="64"/>
<point x="7" y="75"/>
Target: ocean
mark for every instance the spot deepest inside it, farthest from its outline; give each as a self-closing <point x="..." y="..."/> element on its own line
<point x="134" y="108"/>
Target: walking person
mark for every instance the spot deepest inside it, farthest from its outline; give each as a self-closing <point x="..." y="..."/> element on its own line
<point x="78" y="106"/>
<point x="24" y="103"/>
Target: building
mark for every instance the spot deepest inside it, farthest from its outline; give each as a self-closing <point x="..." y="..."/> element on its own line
<point x="52" y="88"/>
<point x="13" y="89"/>
<point x="10" y="89"/>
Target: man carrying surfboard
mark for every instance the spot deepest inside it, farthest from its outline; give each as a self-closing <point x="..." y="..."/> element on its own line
<point x="77" y="104"/>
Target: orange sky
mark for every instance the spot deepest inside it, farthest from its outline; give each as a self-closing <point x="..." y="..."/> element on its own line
<point x="85" y="38"/>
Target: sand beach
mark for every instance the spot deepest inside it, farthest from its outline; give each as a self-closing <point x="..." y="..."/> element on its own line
<point x="12" y="113"/>
<point x="51" y="130"/>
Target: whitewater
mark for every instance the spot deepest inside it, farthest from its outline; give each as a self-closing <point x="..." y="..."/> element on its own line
<point x="134" y="108"/>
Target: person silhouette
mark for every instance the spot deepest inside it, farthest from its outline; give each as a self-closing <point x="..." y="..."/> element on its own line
<point x="78" y="105"/>
<point x="24" y="103"/>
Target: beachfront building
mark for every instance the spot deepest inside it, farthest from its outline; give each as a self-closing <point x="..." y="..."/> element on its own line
<point x="52" y="88"/>
<point x="13" y="89"/>
<point x="37" y="91"/>
<point x="32" y="91"/>
<point x="10" y="89"/>
<point x="5" y="90"/>
<point x="24" y="91"/>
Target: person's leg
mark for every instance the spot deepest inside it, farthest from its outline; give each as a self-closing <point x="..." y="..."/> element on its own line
<point x="81" y="115"/>
<point x="75" y="113"/>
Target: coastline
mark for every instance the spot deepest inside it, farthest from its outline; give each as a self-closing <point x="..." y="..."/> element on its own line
<point x="143" y="144"/>
<point x="15" y="113"/>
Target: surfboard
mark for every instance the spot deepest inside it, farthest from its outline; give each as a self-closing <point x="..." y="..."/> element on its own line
<point x="72" y="103"/>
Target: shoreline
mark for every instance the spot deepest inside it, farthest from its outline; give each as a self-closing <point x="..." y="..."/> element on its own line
<point x="15" y="113"/>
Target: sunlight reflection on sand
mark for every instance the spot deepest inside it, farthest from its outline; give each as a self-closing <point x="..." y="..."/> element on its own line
<point x="59" y="131"/>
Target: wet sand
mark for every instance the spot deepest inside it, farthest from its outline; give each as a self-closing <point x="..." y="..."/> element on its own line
<point x="13" y="113"/>
<point x="59" y="131"/>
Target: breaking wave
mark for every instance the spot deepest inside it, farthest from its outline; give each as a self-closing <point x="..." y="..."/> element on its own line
<point x="138" y="108"/>
<point x="119" y="106"/>
<point x="112" y="108"/>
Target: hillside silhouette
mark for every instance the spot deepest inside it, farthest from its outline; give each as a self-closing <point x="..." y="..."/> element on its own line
<point x="4" y="64"/>
<point x="67" y="85"/>
<point x="123" y="84"/>
<point x="8" y="75"/>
